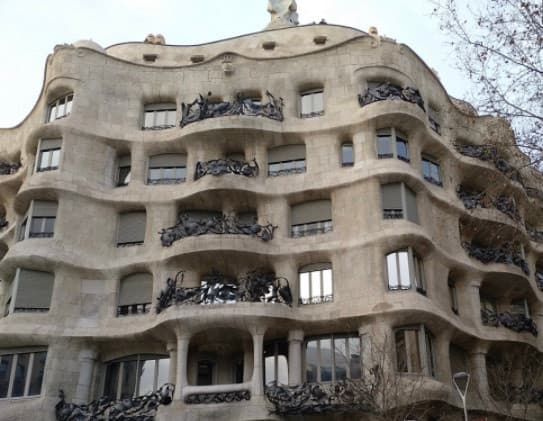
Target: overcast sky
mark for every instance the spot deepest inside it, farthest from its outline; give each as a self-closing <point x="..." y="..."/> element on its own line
<point x="31" y="28"/>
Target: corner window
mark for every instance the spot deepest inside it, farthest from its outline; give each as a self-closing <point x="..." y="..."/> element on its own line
<point x="21" y="373"/>
<point x="453" y="296"/>
<point x="276" y="363"/>
<point x="48" y="155"/>
<point x="433" y="119"/>
<point x="347" y="155"/>
<point x="167" y="169"/>
<point x="316" y="285"/>
<point x="399" y="202"/>
<point x="391" y="143"/>
<point x="430" y="170"/>
<point x="60" y="108"/>
<point x="135" y="294"/>
<point x="124" y="169"/>
<point x="134" y="376"/>
<point x="405" y="270"/>
<point x="414" y="350"/>
<point x="31" y="291"/>
<point x="159" y="116"/>
<point x="44" y="214"/>
<point x="312" y="103"/>
<point x="131" y="229"/>
<point x="311" y="218"/>
<point x="285" y="160"/>
<point x="333" y="358"/>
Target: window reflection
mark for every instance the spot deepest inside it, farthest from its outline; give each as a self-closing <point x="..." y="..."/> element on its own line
<point x="333" y="358"/>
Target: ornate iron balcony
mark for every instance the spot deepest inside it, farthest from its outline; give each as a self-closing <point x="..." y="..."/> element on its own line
<point x="201" y="108"/>
<point x="133" y="309"/>
<point x="392" y="213"/>
<point x="473" y="199"/>
<point x="253" y="287"/>
<point x="534" y="234"/>
<point x="141" y="408"/>
<point x="7" y="168"/>
<point x="218" y="167"/>
<point x="387" y="91"/>
<point x="321" y="398"/>
<point x="188" y="226"/>
<point x="508" y="254"/>
<point x="218" y="397"/>
<point x="515" y="322"/>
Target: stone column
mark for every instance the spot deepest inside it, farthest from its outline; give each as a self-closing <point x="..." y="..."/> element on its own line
<point x="477" y="370"/>
<point x="87" y="358"/>
<point x="172" y="351"/>
<point x="295" y="339"/>
<point x="470" y="301"/>
<point x="442" y="358"/>
<point x="183" y="341"/>
<point x="138" y="165"/>
<point x="258" y="374"/>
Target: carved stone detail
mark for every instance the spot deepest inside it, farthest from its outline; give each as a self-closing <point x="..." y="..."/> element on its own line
<point x="387" y="91"/>
<point x="142" y="408"/>
<point x="515" y="322"/>
<point x="226" y="166"/>
<point x="283" y="13"/>
<point x="218" y="397"/>
<point x="187" y="226"/>
<point x="508" y="254"/>
<point x="253" y="287"/>
<point x="201" y="108"/>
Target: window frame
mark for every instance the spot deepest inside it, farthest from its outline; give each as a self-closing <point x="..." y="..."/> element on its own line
<point x="67" y="104"/>
<point x="319" y="268"/>
<point x="345" y="163"/>
<point x="119" y="167"/>
<point x="32" y="352"/>
<point x="119" y="244"/>
<point x="396" y="213"/>
<point x="53" y="152"/>
<point x="25" y="227"/>
<point x="313" y="112"/>
<point x="425" y="347"/>
<point x="155" y="110"/>
<point x="453" y="295"/>
<point x="396" y="136"/>
<point x="431" y="163"/>
<point x="416" y="272"/>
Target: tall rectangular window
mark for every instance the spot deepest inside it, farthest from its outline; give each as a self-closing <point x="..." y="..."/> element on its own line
<point x="414" y="350"/>
<point x="347" y="155"/>
<point x="312" y="103"/>
<point x="287" y="159"/>
<point x="21" y="373"/>
<point x="60" y="108"/>
<point x="316" y="285"/>
<point x="453" y="295"/>
<point x="311" y="218"/>
<point x="276" y="363"/>
<point x="405" y="270"/>
<point x="33" y="290"/>
<point x="391" y="143"/>
<point x="399" y="202"/>
<point x="131" y="229"/>
<point x="333" y="358"/>
<point x="430" y="170"/>
<point x="48" y="155"/>
<point x="44" y="215"/>
<point x="124" y="168"/>
<point x="159" y="116"/>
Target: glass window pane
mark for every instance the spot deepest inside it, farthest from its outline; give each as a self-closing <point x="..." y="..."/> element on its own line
<point x="318" y="102"/>
<point x="36" y="225"/>
<point x="304" y="285"/>
<point x="392" y="271"/>
<point x="326" y="359"/>
<point x="405" y="281"/>
<point x="180" y="173"/>
<point x="384" y="148"/>
<point x="269" y="369"/>
<point x="52" y="113"/>
<point x="55" y="158"/>
<point x="402" y="149"/>
<point x="146" y="377"/>
<point x="426" y="168"/>
<point x="124" y="175"/>
<point x="128" y="381"/>
<point x="430" y="354"/>
<point x="49" y="225"/>
<point x="169" y="173"/>
<point x="413" y="350"/>
<point x="163" y="372"/>
<point x="45" y="156"/>
<point x="282" y="369"/>
<point x="5" y="371"/>
<point x="316" y="284"/>
<point x="435" y="172"/>
<point x="170" y="118"/>
<point x="20" y="375"/>
<point x="112" y="380"/>
<point x="355" y="363"/>
<point x="273" y="168"/>
<point x="306" y="104"/>
<point x="149" y="119"/>
<point x="327" y="282"/>
<point x="36" y="377"/>
<point x="69" y="105"/>
<point x="154" y="174"/>
<point x="160" y="118"/>
<point x="347" y="156"/>
<point x="205" y="373"/>
<point x="311" y="360"/>
<point x="419" y="274"/>
<point x="401" y="354"/>
<point x="341" y="358"/>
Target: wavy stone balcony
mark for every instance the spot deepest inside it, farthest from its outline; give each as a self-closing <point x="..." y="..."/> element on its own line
<point x="387" y="91"/>
<point x="515" y="322"/>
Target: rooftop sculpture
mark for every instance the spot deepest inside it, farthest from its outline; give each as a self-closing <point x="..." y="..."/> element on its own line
<point x="283" y="13"/>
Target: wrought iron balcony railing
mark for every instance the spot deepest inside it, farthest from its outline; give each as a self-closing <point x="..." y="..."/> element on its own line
<point x="218" y="397"/>
<point x="392" y="213"/>
<point x="8" y="168"/>
<point x="507" y="254"/>
<point x="253" y="287"/>
<point x="188" y="226"/>
<point x="201" y="108"/>
<point x="473" y="199"/>
<point x="218" y="167"/>
<point x="133" y="309"/>
<point x="534" y="234"/>
<point x="387" y="91"/>
<point x="515" y="322"/>
<point x="321" y="299"/>
<point x="313" y="228"/>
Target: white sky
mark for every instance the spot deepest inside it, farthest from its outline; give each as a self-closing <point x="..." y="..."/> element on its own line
<point x="31" y="28"/>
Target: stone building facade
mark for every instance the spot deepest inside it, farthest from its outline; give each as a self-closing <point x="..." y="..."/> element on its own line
<point x="250" y="218"/>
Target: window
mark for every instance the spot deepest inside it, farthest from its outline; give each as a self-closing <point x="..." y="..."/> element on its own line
<point x="453" y="296"/>
<point x="131" y="229"/>
<point x="391" y="143"/>
<point x="414" y="350"/>
<point x="31" y="291"/>
<point x="167" y="169"/>
<point x="60" y="108"/>
<point x="316" y="285"/>
<point x="123" y="171"/>
<point x="489" y="310"/>
<point x="539" y="277"/>
<point x="311" y="218"/>
<point x="430" y="170"/>
<point x="206" y="373"/>
<point x="399" y="202"/>
<point x="21" y="373"/>
<point x="276" y="363"/>
<point x="135" y="294"/>
<point x="404" y="270"/>
<point x="433" y="118"/>
<point x="42" y="224"/>
<point x="284" y="160"/>
<point x="136" y="375"/>
<point x="159" y="116"/>
<point x="333" y="358"/>
<point x="22" y="229"/>
<point x="312" y="103"/>
<point x="520" y="307"/>
<point x="347" y="155"/>
<point x="48" y="155"/>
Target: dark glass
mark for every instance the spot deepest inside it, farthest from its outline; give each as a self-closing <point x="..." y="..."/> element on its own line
<point x="355" y="363"/>
<point x="401" y="354"/>
<point x="36" y="377"/>
<point x="205" y="373"/>
<point x="112" y="380"/>
<point x="128" y="386"/>
<point x="311" y="359"/>
<point x="20" y="375"/>
<point x="347" y="154"/>
<point x="22" y="231"/>
<point x="326" y="359"/>
<point x="384" y="149"/>
<point x="402" y="149"/>
<point x="124" y="176"/>
<point x="341" y="359"/>
<point x="5" y="371"/>
<point x="238" y="371"/>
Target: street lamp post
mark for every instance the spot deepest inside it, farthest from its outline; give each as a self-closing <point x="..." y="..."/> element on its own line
<point x="463" y="377"/>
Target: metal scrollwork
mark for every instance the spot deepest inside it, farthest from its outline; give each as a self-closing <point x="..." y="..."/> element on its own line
<point x="218" y="397"/>
<point x="188" y="226"/>
<point x="142" y="408"/>
<point x="3" y="222"/>
<point x="201" y="108"/>
<point x="534" y="234"/>
<point x="7" y="168"/>
<point x="218" y="167"/>
<point x="515" y="322"/>
<point x="473" y="199"/>
<point x="387" y="91"/>
<point x="508" y="254"/>
<point x="319" y="398"/>
<point x="253" y="287"/>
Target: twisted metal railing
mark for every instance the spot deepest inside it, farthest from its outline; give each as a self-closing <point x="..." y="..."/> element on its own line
<point x="387" y="91"/>
<point x="218" y="167"/>
<point x="508" y="254"/>
<point x="515" y="322"/>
